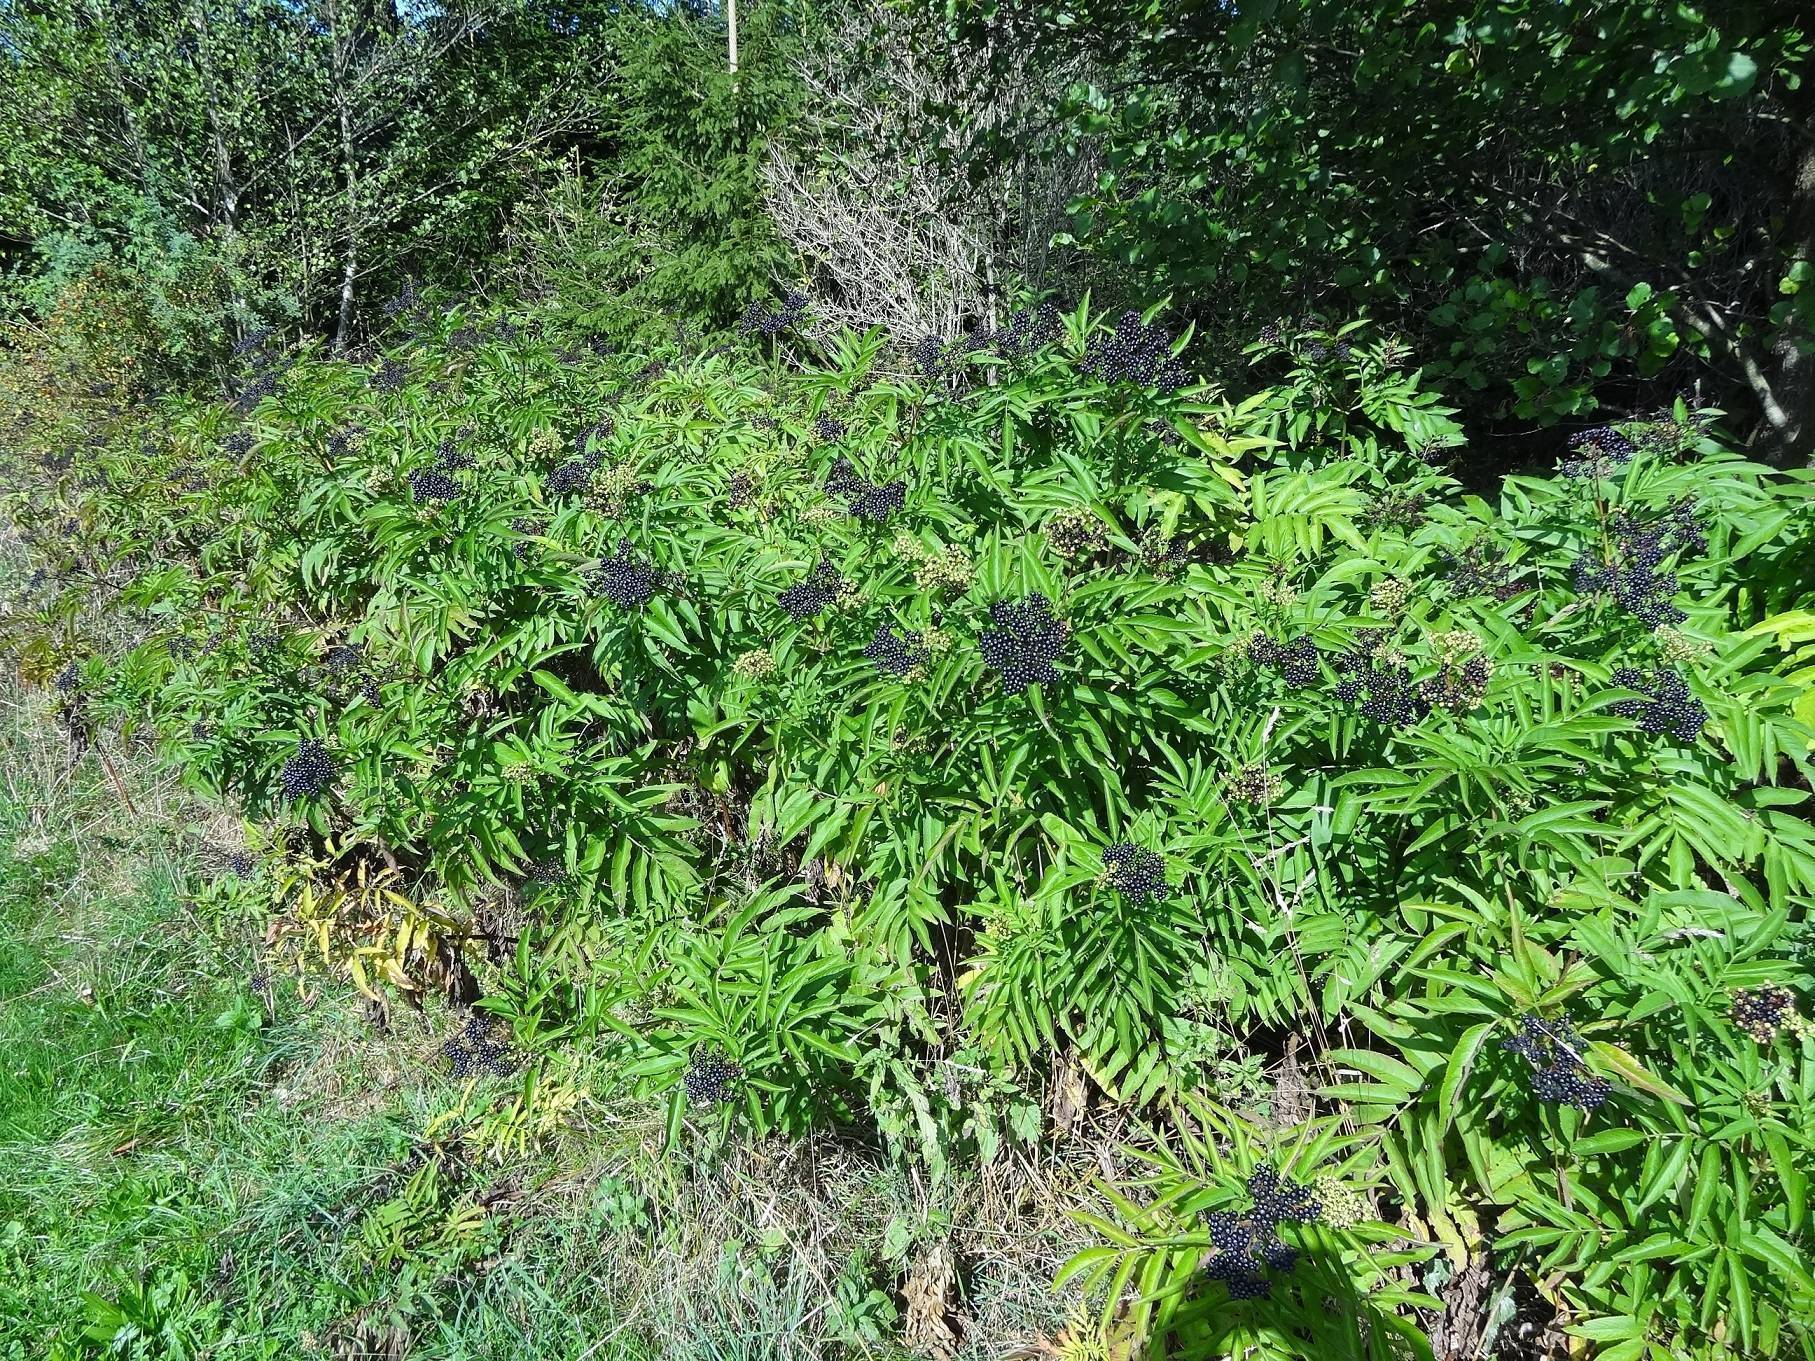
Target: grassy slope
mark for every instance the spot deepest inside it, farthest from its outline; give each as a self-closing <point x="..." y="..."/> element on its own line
<point x="142" y="1096"/>
<point x="238" y="1167"/>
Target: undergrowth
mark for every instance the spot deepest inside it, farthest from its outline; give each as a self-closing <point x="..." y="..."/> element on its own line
<point x="820" y="734"/>
<point x="205" y="1160"/>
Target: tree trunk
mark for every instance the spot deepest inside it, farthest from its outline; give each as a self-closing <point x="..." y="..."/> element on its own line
<point x="343" y="326"/>
<point x="226" y="189"/>
<point x="1795" y="370"/>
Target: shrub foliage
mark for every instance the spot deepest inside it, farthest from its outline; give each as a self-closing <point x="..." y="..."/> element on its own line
<point x="848" y="745"/>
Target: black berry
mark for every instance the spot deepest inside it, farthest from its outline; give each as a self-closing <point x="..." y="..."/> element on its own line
<point x="1025" y="643"/>
<point x="1135" y="871"/>
<point x="308" y="772"/>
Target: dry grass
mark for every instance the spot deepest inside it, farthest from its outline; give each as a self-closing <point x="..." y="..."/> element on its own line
<point x="779" y="1243"/>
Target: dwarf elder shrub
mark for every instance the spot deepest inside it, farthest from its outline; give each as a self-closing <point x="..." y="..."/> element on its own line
<point x="1134" y="724"/>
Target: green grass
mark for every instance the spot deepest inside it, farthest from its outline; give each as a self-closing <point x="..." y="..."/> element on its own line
<point x="141" y="1123"/>
<point x="197" y="1165"/>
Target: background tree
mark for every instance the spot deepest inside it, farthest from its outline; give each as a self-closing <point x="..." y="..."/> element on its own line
<point x="329" y="151"/>
<point x="869" y="185"/>
<point x="1568" y="206"/>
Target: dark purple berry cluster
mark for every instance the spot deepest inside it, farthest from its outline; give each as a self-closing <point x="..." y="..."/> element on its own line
<point x="1236" y="1261"/>
<point x="1024" y="643"/>
<point x="548" y="873"/>
<point x="1381" y="689"/>
<point x="1597" y="454"/>
<point x="1554" y="1051"/>
<point x="238" y="444"/>
<point x="346" y="673"/>
<point x="1632" y="571"/>
<point x="1644" y="594"/>
<point x="1279" y="1200"/>
<point x="740" y="491"/>
<point x="933" y="359"/>
<point x="261" y="353"/>
<point x="1401" y="510"/>
<point x="1665" y="704"/>
<point x="1027" y="329"/>
<point x="626" y="578"/>
<point x="1322" y="348"/>
<point x="894" y="653"/>
<point x="759" y="320"/>
<point x="430" y="485"/>
<point x="828" y="429"/>
<point x="188" y="477"/>
<point x="1247" y="1246"/>
<point x="843" y="479"/>
<point x="589" y="441"/>
<point x="1134" y="871"/>
<point x="255" y="345"/>
<point x="876" y="502"/>
<point x="711" y="1078"/>
<point x="1677" y="530"/>
<point x="1165" y="432"/>
<point x="806" y="599"/>
<point x="309" y="772"/>
<point x="1137" y="353"/>
<point x="1481" y="569"/>
<point x="576" y="475"/>
<point x="1458" y="687"/>
<point x="478" y="1052"/>
<point x="450" y="457"/>
<point x="1296" y="661"/>
<point x="872" y="501"/>
<point x="407" y="301"/>
<point x="568" y="478"/>
<point x="1763" y="1012"/>
<point x="1166" y="555"/>
<point x="254" y="390"/>
<point x="392" y="376"/>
